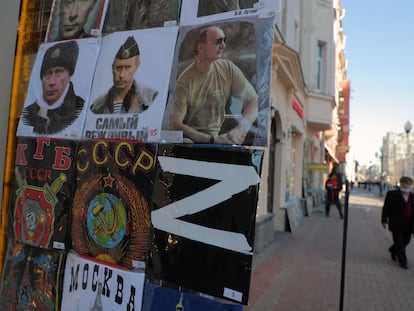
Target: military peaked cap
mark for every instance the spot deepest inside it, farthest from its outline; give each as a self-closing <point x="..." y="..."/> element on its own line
<point x="128" y="49"/>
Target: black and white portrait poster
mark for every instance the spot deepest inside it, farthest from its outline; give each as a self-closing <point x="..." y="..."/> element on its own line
<point x="93" y="285"/>
<point x="41" y="201"/>
<point x="220" y="82"/>
<point x="205" y="11"/>
<point x="130" y="87"/>
<point x="125" y="15"/>
<point x="204" y="233"/>
<point x="59" y="89"/>
<point x="76" y="19"/>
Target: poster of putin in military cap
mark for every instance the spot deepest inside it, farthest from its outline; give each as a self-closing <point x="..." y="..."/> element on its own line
<point x="130" y="86"/>
<point x="75" y="19"/>
<point x="59" y="89"/>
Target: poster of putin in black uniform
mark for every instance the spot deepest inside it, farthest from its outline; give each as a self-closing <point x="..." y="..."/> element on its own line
<point x="59" y="89"/>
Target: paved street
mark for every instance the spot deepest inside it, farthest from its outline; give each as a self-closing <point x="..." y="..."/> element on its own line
<point x="301" y="271"/>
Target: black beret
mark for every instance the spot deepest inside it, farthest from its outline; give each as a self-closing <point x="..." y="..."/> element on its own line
<point x="407" y="180"/>
<point x="63" y="54"/>
<point x="128" y="49"/>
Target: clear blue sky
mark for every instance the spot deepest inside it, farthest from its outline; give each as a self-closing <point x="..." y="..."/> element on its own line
<point x="380" y="54"/>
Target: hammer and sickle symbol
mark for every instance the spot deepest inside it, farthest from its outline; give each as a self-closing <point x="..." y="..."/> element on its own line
<point x="97" y="211"/>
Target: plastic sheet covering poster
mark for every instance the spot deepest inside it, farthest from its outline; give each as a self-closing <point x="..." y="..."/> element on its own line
<point x="32" y="278"/>
<point x="220" y="82"/>
<point x="130" y="87"/>
<point x="59" y="89"/>
<point x="111" y="207"/>
<point x="76" y="19"/>
<point x="204" y="213"/>
<point x="202" y="11"/>
<point x="158" y="298"/>
<point x="41" y="200"/>
<point x="94" y="285"/>
<point x="139" y="14"/>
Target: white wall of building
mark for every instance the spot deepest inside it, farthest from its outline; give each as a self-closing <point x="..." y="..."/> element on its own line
<point x="318" y="21"/>
<point x="292" y="23"/>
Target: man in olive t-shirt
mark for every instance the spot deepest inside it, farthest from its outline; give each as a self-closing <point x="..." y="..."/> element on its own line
<point x="203" y="90"/>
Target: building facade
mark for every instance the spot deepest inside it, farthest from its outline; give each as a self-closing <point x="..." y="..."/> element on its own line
<point x="303" y="99"/>
<point x="396" y="158"/>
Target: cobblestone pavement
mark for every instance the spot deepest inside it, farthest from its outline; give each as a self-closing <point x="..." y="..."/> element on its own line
<point x="301" y="271"/>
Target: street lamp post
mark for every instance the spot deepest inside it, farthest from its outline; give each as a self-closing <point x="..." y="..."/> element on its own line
<point x="407" y="128"/>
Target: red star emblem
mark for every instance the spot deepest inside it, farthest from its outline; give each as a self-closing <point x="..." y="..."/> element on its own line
<point x="108" y="180"/>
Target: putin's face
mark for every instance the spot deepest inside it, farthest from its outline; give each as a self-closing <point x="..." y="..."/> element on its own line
<point x="73" y="16"/>
<point x="123" y="71"/>
<point x="54" y="82"/>
<point x="214" y="46"/>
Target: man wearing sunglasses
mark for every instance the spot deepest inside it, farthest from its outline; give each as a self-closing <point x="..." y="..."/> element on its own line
<point x="203" y="90"/>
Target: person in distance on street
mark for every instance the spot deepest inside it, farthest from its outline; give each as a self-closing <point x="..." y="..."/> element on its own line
<point x="398" y="214"/>
<point x="333" y="186"/>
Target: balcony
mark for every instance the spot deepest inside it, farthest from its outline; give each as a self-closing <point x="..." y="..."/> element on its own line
<point x="319" y="111"/>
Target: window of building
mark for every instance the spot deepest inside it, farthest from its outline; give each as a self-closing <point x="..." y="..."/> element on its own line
<point x="320" y="65"/>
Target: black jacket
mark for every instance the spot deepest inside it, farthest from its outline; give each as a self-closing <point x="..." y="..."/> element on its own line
<point x="59" y="118"/>
<point x="393" y="211"/>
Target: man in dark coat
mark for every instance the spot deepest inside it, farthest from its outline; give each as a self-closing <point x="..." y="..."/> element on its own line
<point x="397" y="213"/>
<point x="58" y="106"/>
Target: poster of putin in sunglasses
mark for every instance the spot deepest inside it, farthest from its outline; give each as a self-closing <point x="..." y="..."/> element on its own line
<point x="220" y="78"/>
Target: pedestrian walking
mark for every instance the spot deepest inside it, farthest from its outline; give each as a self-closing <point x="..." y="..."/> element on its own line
<point x="397" y="213"/>
<point x="333" y="186"/>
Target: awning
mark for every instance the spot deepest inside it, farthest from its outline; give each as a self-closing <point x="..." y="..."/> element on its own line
<point x="331" y="154"/>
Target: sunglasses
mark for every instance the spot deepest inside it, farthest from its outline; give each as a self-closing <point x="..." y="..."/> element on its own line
<point x="219" y="41"/>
